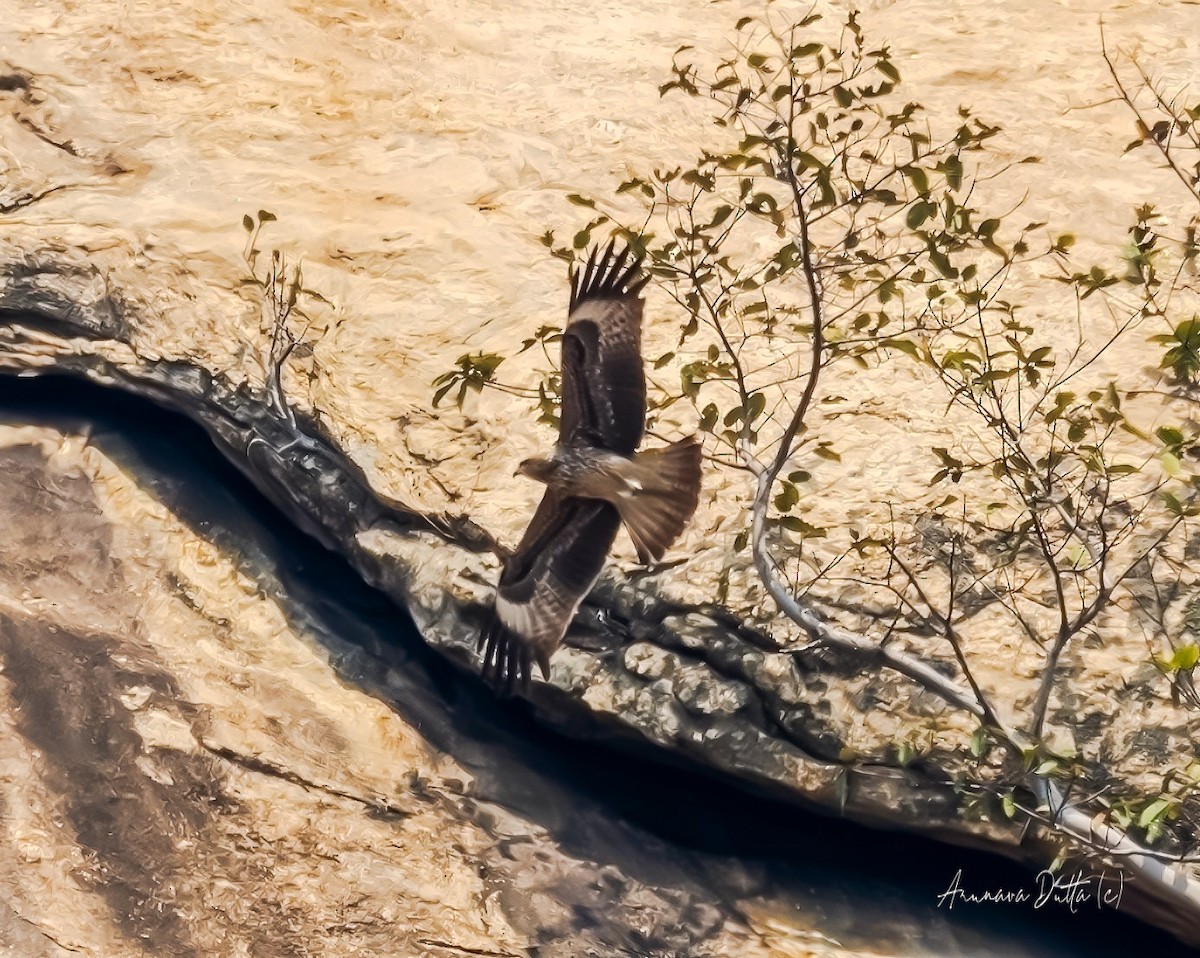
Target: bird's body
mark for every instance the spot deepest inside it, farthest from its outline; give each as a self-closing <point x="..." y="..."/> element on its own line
<point x="595" y="479"/>
<point x="585" y="471"/>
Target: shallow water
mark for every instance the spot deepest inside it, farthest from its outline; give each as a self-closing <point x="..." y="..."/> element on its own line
<point x="871" y="892"/>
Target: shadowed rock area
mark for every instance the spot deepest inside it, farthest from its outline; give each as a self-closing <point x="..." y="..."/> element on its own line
<point x="183" y="772"/>
<point x="190" y="827"/>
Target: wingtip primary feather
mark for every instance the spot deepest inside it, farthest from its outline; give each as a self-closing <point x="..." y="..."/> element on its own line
<point x="608" y="274"/>
<point x="611" y="265"/>
<point x="507" y="663"/>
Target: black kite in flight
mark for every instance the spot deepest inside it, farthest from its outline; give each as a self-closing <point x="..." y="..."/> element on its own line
<point x="595" y="479"/>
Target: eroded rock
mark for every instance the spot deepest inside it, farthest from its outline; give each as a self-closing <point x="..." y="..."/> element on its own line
<point x="194" y="778"/>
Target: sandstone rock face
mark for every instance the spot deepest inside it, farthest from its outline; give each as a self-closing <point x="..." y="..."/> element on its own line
<point x="184" y="773"/>
<point x="413" y="156"/>
<point x="198" y="759"/>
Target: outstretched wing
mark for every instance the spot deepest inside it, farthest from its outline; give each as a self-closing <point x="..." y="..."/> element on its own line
<point x="603" y="383"/>
<point x="542" y="584"/>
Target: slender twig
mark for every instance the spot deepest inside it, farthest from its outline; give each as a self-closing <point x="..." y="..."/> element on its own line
<point x="1159" y="143"/>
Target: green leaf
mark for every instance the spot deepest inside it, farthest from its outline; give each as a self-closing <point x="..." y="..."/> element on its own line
<point x="796" y="524"/>
<point x="1062" y="400"/>
<point x="953" y="169"/>
<point x="248" y="223"/>
<point x="756" y="405"/>
<point x="906" y="346"/>
<point x="1112" y="396"/>
<point x="788" y="496"/>
<point x="919" y="213"/>
<point x="1153" y="812"/>
<point x="266" y="217"/>
<point x="1170" y="436"/>
<point x="919" y="178"/>
<point x="1184" y="658"/>
<point x="942" y="263"/>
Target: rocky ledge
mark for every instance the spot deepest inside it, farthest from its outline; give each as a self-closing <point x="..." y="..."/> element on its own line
<point x="683" y="683"/>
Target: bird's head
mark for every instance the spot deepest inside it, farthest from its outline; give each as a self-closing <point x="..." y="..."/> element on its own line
<point x="539" y="469"/>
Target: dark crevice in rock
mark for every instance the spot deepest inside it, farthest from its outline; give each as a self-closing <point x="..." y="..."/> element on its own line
<point x="295" y="463"/>
<point x="12" y="82"/>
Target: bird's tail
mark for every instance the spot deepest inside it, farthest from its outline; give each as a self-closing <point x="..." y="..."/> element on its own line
<point x="665" y="488"/>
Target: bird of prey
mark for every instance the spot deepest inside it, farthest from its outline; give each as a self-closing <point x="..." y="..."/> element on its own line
<point x="595" y="480"/>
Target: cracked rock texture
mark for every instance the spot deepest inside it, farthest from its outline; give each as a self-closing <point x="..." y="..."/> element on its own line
<point x="183" y="773"/>
<point x="189" y="766"/>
